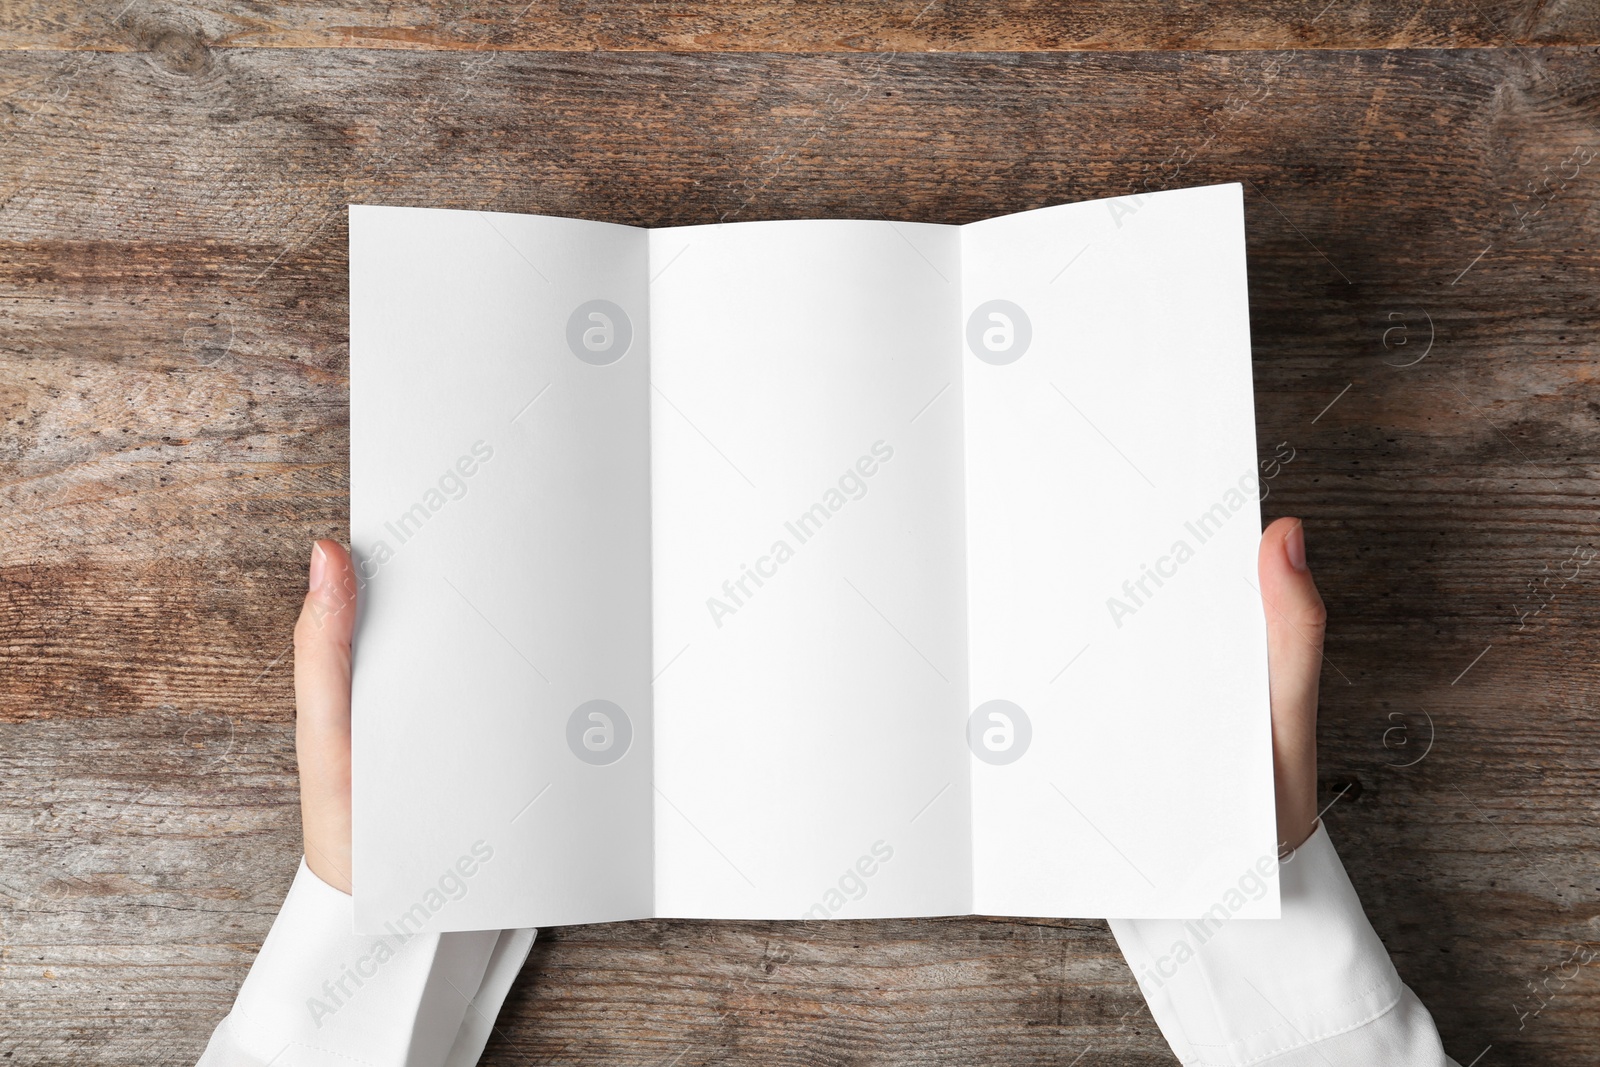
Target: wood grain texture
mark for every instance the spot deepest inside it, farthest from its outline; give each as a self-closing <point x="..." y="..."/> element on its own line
<point x="173" y="387"/>
<point x="776" y="26"/>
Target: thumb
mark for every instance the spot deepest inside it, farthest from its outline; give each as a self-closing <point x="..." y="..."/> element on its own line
<point x="1296" y="620"/>
<point x="322" y="720"/>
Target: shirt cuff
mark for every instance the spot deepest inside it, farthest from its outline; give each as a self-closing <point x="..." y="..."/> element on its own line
<point x="319" y="995"/>
<point x="1314" y="983"/>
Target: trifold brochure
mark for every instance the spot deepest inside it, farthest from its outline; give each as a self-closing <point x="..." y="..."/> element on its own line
<point x="807" y="569"/>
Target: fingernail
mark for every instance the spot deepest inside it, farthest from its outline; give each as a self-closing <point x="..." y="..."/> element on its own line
<point x="1295" y="546"/>
<point x="319" y="565"/>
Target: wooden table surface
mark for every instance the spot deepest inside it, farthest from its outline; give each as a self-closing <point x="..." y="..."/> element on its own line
<point x="1423" y="200"/>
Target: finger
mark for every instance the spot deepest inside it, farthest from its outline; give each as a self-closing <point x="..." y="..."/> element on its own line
<point x="322" y="702"/>
<point x="1296" y="621"/>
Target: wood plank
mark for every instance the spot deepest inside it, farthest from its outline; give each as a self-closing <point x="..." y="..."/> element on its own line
<point x="173" y="385"/>
<point x="770" y="26"/>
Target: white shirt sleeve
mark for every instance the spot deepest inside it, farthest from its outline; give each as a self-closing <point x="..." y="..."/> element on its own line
<point x="320" y="996"/>
<point x="1314" y="988"/>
